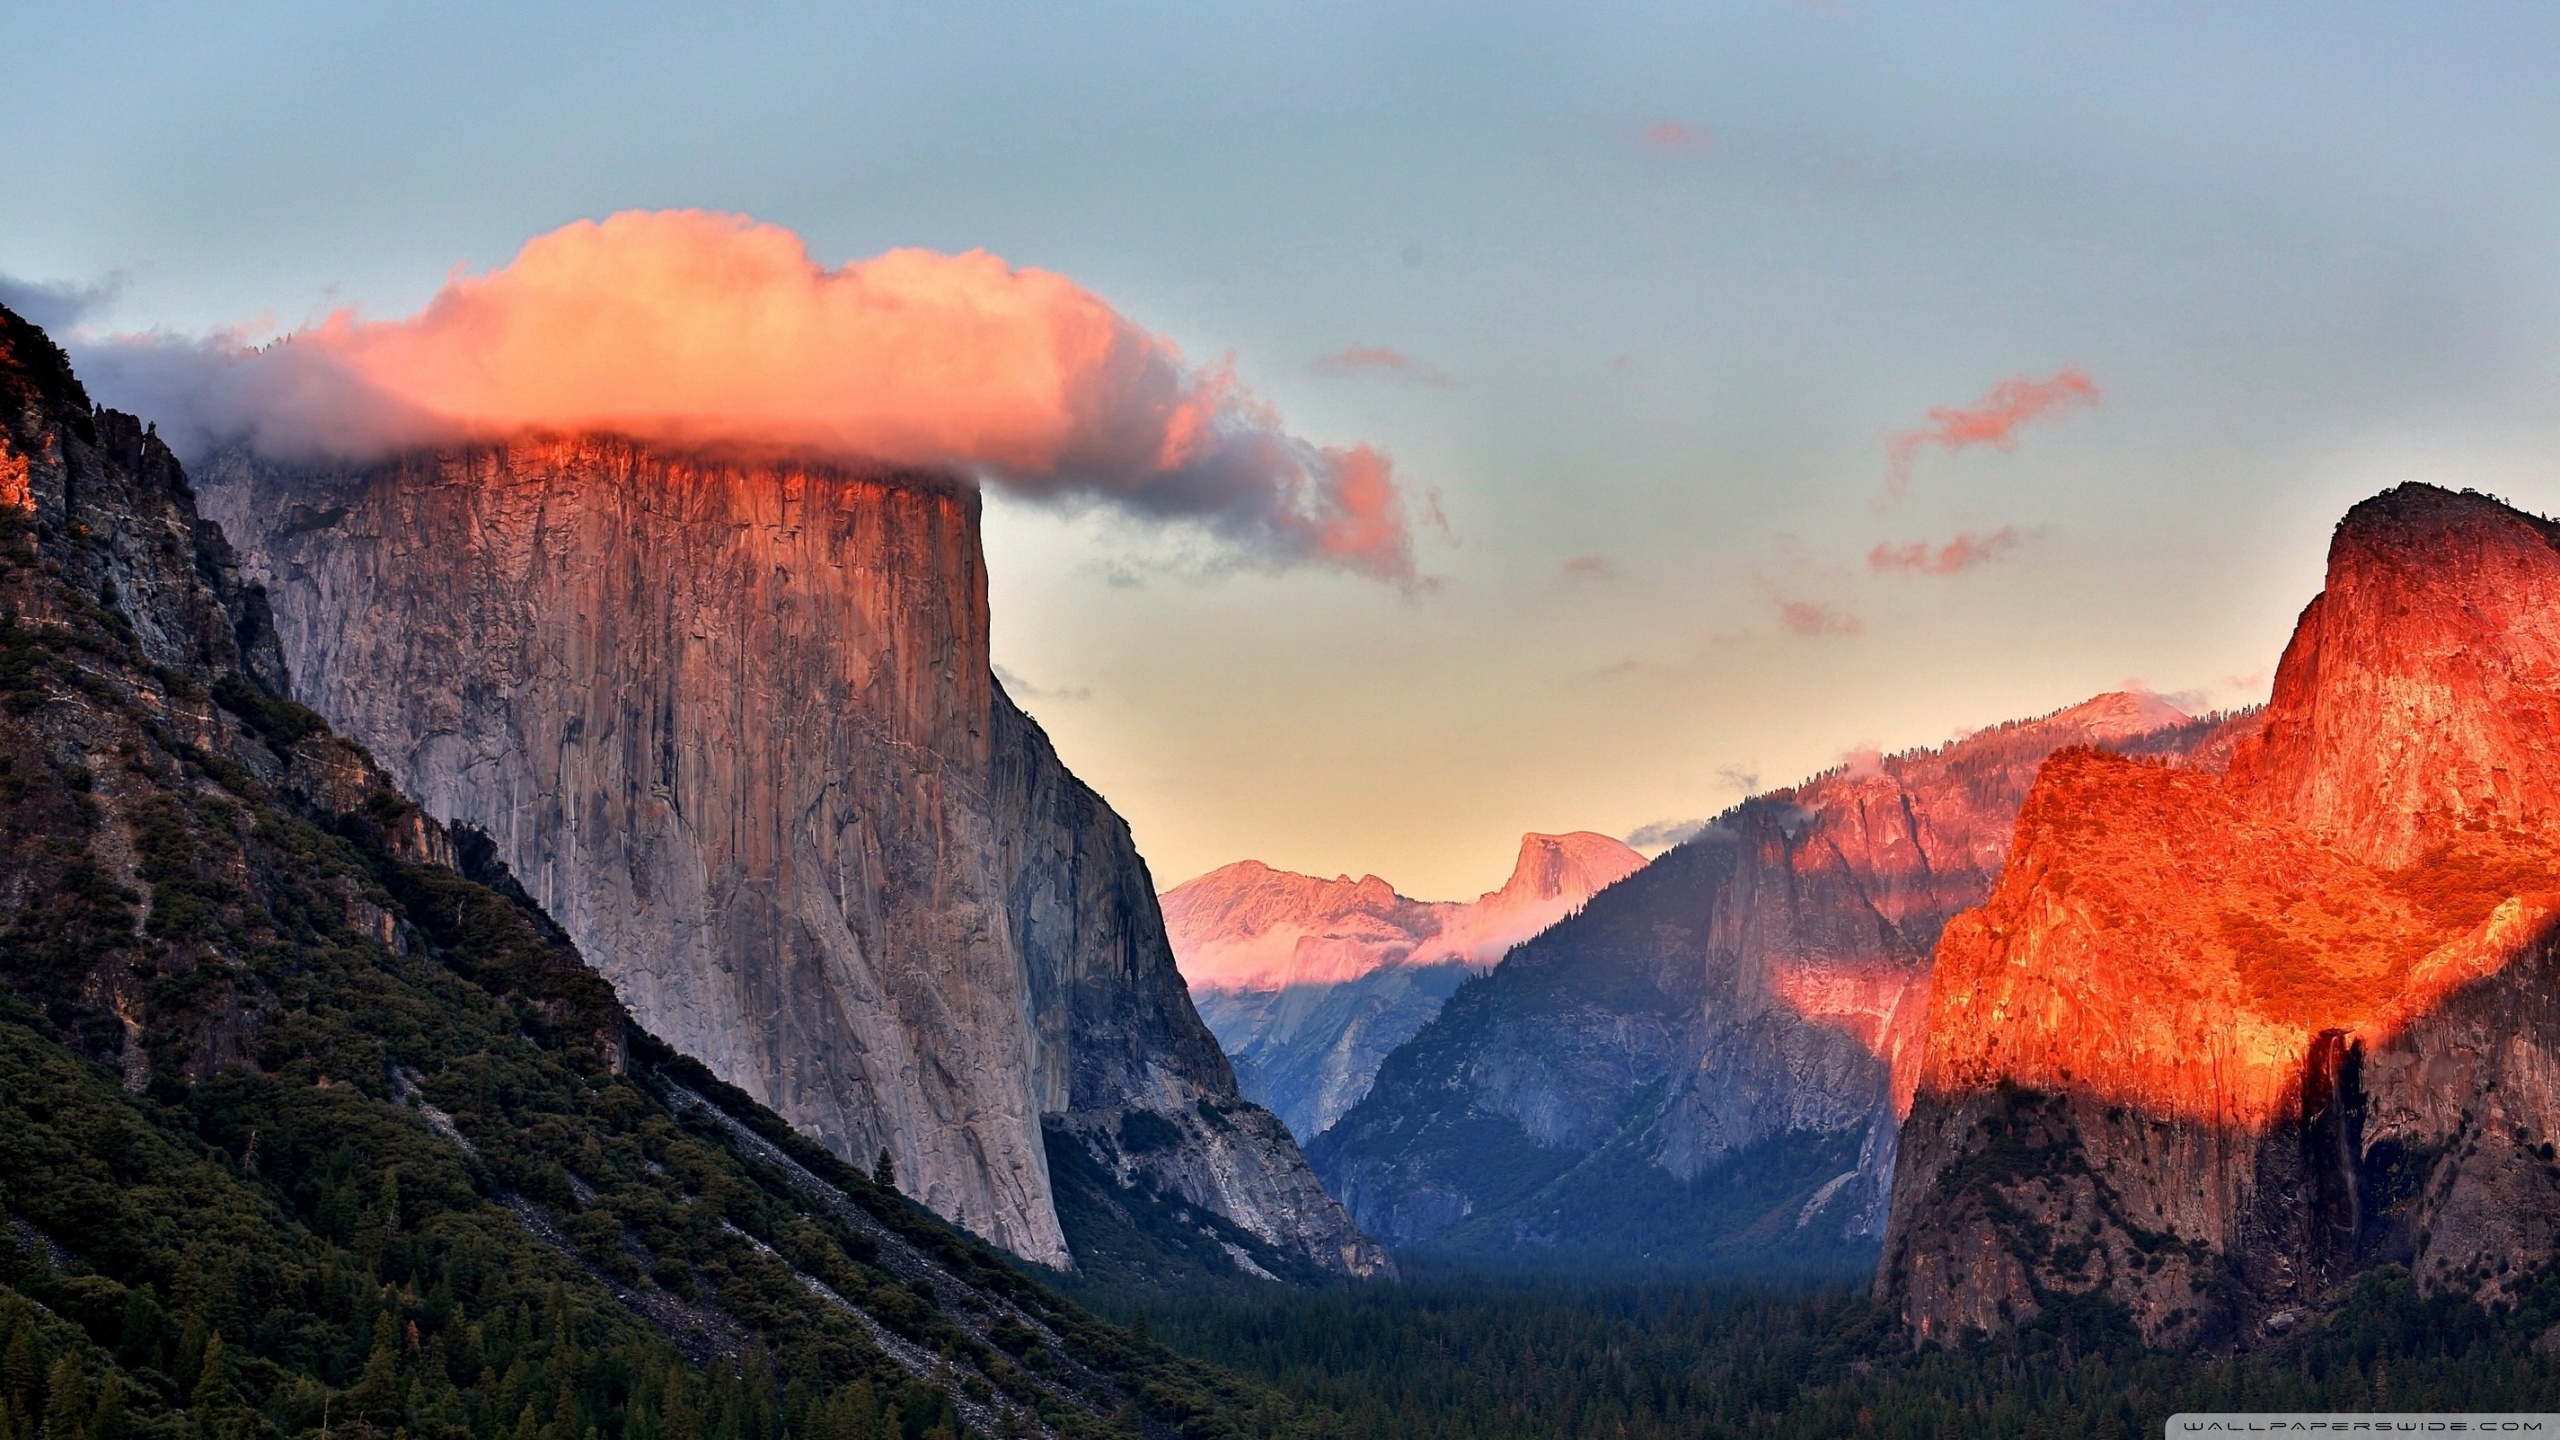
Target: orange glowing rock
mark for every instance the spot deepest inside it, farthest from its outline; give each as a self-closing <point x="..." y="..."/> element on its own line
<point x="2264" y="1018"/>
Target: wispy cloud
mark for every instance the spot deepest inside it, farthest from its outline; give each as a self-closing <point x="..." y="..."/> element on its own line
<point x="1964" y="552"/>
<point x="57" y="305"/>
<point x="1677" y="137"/>
<point x="1664" y="833"/>
<point x="1815" y="617"/>
<point x="1590" y="567"/>
<point x="1993" y="420"/>
<point x="1022" y="689"/>
<point x="1380" y="360"/>
<point x="1746" y="781"/>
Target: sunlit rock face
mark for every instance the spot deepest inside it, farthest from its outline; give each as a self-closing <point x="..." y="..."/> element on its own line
<point x="733" y="724"/>
<point x="1750" y="1001"/>
<point x="2218" y="1041"/>
<point x="1309" y="983"/>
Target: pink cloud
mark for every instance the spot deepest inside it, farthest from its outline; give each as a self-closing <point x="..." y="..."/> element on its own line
<point x="1812" y="617"/>
<point x="693" y="328"/>
<point x="1992" y="420"/>
<point x="1379" y="360"/>
<point x="1962" y="553"/>
<point x="1678" y="137"/>
<point x="1590" y="567"/>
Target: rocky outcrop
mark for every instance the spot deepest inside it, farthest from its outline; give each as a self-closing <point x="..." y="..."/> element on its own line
<point x="140" y="703"/>
<point x="1309" y="983"/>
<point x="1709" y="1061"/>
<point x="2218" y="1041"/>
<point x="732" y="722"/>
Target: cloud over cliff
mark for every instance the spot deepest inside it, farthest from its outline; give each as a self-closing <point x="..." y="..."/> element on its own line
<point x="695" y="328"/>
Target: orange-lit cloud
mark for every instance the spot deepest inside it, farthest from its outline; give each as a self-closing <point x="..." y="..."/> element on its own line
<point x="1590" y="567"/>
<point x="1380" y="360"/>
<point x="1678" y="136"/>
<point x="1813" y="617"/>
<point x="1962" y="553"/>
<point x="694" y="328"/>
<point x="1992" y="420"/>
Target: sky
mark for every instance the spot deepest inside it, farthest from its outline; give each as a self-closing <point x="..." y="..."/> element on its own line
<point x="1763" y="381"/>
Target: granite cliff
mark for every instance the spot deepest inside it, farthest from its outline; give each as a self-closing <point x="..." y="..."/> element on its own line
<point x="290" y="1075"/>
<point x="1707" y="1063"/>
<point x="2219" y="1041"/>
<point x="1309" y="983"/>
<point x="731" y="720"/>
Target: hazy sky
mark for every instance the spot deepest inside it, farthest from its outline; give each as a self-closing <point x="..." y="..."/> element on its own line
<point x="1666" y="283"/>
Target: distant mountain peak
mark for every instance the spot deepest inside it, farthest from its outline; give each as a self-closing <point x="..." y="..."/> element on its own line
<point x="1247" y="926"/>
<point x="1552" y="866"/>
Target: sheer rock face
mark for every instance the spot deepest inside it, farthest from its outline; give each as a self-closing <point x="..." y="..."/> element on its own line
<point x="733" y="723"/>
<point x="2218" y="1041"/>
<point x="1309" y="983"/>
<point x="2420" y="696"/>
<point x="1762" y="984"/>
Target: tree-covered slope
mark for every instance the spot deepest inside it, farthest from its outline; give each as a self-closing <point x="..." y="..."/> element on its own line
<point x="303" y="1129"/>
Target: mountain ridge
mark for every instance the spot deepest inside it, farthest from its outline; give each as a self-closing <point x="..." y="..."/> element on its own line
<point x="2218" y="1043"/>
<point x="1308" y="983"/>
<point x="1708" y="1063"/>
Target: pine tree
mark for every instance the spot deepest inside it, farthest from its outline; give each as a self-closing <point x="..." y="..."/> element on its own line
<point x="109" y="1421"/>
<point x="377" y="1393"/>
<point x="21" y="1379"/>
<point x="66" y="1407"/>
<point x="215" y="1405"/>
<point x="884" y="1171"/>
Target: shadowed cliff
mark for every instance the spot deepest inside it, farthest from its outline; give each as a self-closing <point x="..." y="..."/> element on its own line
<point x="1704" y="1066"/>
<point x="1310" y="983"/>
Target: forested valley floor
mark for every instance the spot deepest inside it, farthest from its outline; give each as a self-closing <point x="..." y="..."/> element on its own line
<point x="1449" y="1354"/>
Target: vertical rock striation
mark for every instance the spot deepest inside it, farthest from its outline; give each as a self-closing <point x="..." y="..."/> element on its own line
<point x="1709" y="1061"/>
<point x="2219" y="1041"/>
<point x="732" y="722"/>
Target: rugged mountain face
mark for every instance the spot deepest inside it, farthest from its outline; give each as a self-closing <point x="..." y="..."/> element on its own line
<point x="2219" y="1041"/>
<point x="1247" y="926"/>
<point x="1309" y="983"/>
<point x="732" y="722"/>
<point x="1708" y="1062"/>
<point x="303" y="1123"/>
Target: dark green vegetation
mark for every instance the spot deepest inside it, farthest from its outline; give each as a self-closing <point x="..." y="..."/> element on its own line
<point x="1444" y="1357"/>
<point x="304" y="1129"/>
